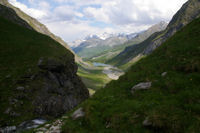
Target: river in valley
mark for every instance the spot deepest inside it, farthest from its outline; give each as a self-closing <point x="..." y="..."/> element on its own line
<point x="112" y="72"/>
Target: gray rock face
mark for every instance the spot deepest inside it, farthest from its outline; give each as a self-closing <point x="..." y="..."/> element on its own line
<point x="78" y="114"/>
<point x="141" y="86"/>
<point x="61" y="89"/>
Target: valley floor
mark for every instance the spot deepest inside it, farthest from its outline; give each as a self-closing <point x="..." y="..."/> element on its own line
<point x="97" y="75"/>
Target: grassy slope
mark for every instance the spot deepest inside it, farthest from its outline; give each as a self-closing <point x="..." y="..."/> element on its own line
<point x="20" y="50"/>
<point x="172" y="103"/>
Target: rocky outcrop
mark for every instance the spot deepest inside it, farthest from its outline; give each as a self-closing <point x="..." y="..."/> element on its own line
<point x="51" y="92"/>
<point x="61" y="89"/>
<point x="54" y="90"/>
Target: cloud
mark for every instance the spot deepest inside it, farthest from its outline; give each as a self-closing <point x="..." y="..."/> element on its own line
<point x="78" y="18"/>
<point x="98" y="14"/>
<point x="122" y="12"/>
<point x="36" y="13"/>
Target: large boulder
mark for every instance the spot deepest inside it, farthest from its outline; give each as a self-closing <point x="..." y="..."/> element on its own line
<point x="141" y="86"/>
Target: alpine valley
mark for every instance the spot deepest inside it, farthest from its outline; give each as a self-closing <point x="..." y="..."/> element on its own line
<point x="144" y="82"/>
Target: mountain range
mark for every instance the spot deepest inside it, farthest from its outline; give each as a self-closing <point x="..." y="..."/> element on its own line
<point x="103" y="36"/>
<point x="94" y="46"/>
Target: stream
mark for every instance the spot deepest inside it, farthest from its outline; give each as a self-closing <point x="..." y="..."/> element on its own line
<point x="112" y="72"/>
<point x="23" y="126"/>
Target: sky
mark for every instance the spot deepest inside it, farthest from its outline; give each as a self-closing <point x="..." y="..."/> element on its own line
<point x="75" y="19"/>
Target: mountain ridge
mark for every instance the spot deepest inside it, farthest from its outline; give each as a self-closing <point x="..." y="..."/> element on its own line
<point x="36" y="25"/>
<point x="118" y="41"/>
<point x="186" y="14"/>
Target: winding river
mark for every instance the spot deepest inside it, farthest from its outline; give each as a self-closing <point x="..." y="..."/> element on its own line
<point x="112" y="72"/>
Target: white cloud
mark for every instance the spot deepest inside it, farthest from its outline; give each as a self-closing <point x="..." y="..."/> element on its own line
<point x="73" y="21"/>
<point x="122" y="12"/>
<point x="98" y="14"/>
<point x="38" y="14"/>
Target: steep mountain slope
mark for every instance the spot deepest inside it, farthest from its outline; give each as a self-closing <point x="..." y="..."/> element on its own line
<point x="189" y="11"/>
<point x="170" y="105"/>
<point x="102" y="50"/>
<point x="33" y="24"/>
<point x="37" y="74"/>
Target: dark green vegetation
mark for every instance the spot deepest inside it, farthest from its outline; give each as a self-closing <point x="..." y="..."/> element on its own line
<point x="20" y="51"/>
<point x="172" y="104"/>
<point x="30" y="22"/>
